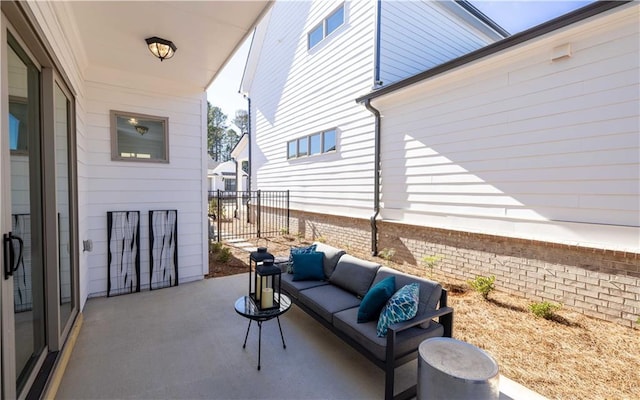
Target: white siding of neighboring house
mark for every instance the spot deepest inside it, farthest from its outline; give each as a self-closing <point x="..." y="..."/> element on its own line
<point x="297" y="92"/>
<point x="241" y="155"/>
<point x="523" y="146"/>
<point x="218" y="176"/>
<point x="418" y="35"/>
<point x="105" y="185"/>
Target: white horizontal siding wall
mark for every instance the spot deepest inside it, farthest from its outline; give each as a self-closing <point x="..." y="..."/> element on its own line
<point x="138" y="186"/>
<point x="296" y="92"/>
<point x="520" y="145"/>
<point x="105" y="185"/>
<point x="418" y="35"/>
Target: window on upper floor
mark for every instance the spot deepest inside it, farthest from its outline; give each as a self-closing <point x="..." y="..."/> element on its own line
<point x="326" y="27"/>
<point x="334" y="20"/>
<point x="314" y="144"/>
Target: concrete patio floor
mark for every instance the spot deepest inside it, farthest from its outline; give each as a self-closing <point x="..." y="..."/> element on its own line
<point x="185" y="342"/>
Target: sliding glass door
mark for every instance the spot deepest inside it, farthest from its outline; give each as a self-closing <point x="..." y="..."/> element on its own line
<point x="62" y="111"/>
<point x="24" y="246"/>
<point x="39" y="295"/>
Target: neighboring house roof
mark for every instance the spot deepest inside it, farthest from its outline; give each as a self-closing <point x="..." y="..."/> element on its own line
<point x="211" y="163"/>
<point x="255" y="49"/>
<point x="225" y="169"/>
<point x="542" y="29"/>
<point x="240" y="146"/>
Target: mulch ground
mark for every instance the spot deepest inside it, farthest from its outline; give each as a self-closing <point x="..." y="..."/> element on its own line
<point x="571" y="356"/>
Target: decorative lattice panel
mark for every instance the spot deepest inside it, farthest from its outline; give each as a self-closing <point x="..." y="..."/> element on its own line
<point x="163" y="248"/>
<point x="123" y="239"/>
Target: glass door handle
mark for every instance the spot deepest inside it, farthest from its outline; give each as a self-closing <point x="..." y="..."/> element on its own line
<point x="11" y="264"/>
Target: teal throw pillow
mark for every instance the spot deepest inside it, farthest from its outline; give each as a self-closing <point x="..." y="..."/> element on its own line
<point x="375" y="299"/>
<point x="402" y="306"/>
<point x="308" y="266"/>
<point x="298" y="250"/>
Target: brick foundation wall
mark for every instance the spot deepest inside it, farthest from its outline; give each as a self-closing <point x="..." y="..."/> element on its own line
<point x="600" y="283"/>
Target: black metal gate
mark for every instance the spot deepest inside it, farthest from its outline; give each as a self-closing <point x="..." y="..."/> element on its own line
<point x="235" y="215"/>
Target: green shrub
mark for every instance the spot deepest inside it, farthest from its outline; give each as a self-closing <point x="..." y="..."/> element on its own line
<point x="544" y="309"/>
<point x="387" y="254"/>
<point x="483" y="285"/>
<point x="321" y="239"/>
<point x="213" y="206"/>
<point x="224" y="255"/>
<point x="430" y="262"/>
<point x="214" y="247"/>
<point x="213" y="209"/>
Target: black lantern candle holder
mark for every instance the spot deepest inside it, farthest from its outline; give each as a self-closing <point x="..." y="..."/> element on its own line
<point x="264" y="280"/>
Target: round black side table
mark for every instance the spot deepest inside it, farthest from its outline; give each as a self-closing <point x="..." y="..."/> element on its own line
<point x="247" y="308"/>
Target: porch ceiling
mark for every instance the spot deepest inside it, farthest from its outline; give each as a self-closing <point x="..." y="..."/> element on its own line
<point x="206" y="34"/>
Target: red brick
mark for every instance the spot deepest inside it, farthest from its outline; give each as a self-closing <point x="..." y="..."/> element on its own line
<point x="521" y="266"/>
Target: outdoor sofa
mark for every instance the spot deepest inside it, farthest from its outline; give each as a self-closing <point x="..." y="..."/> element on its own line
<point x="334" y="294"/>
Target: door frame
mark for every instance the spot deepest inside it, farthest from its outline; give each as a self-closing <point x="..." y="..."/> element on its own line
<point x="19" y="20"/>
<point x="57" y="334"/>
<point x="9" y="372"/>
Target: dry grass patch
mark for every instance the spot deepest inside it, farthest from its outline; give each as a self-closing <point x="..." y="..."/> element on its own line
<point x="573" y="356"/>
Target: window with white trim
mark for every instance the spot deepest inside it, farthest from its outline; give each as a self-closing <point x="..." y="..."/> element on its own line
<point x="311" y="145"/>
<point x="326" y="27"/>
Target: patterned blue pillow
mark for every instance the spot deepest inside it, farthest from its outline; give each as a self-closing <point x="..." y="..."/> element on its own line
<point x="402" y="306"/>
<point x="299" y="250"/>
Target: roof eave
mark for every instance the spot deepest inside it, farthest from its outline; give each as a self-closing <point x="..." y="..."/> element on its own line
<point x="518" y="38"/>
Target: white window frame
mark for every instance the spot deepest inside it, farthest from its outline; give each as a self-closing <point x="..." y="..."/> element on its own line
<point x="324" y="24"/>
<point x="117" y="153"/>
<point x="305" y="153"/>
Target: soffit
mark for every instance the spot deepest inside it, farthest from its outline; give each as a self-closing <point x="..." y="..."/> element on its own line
<point x="206" y="34"/>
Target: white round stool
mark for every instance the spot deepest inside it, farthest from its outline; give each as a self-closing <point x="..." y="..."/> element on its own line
<point x="452" y="369"/>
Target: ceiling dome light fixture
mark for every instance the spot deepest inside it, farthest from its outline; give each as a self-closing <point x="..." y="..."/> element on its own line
<point x="141" y="129"/>
<point x="161" y="48"/>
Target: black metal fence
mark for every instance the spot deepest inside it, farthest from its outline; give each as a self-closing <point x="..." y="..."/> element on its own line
<point x="236" y="215"/>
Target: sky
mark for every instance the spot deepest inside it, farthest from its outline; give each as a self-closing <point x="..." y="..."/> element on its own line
<point x="514" y="16"/>
<point x="223" y="92"/>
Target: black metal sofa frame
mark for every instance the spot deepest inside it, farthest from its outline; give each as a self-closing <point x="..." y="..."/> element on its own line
<point x="392" y="360"/>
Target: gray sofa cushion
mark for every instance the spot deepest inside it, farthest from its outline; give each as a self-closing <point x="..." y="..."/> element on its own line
<point x="354" y="275"/>
<point x="294" y="287"/>
<point x="430" y="291"/>
<point x="328" y="300"/>
<point x="331" y="257"/>
<point x="365" y="334"/>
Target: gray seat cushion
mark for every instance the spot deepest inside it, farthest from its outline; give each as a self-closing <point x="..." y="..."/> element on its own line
<point x="328" y="300"/>
<point x="354" y="274"/>
<point x="294" y="287"/>
<point x="365" y="334"/>
<point x="331" y="257"/>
